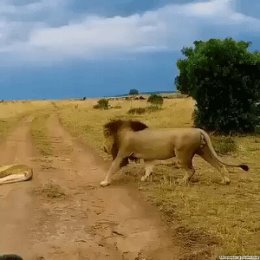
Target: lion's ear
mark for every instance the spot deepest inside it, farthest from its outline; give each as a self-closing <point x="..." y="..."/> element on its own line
<point x="137" y="126"/>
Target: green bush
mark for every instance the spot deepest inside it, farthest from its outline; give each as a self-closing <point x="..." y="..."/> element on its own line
<point x="257" y="129"/>
<point x="101" y="104"/>
<point x="223" y="77"/>
<point x="224" y="144"/>
<point x="155" y="100"/>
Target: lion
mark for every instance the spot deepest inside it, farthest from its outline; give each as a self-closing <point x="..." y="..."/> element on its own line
<point x="134" y="140"/>
<point x="15" y="173"/>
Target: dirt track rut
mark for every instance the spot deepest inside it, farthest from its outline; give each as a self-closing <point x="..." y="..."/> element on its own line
<point x="15" y="199"/>
<point x="79" y="219"/>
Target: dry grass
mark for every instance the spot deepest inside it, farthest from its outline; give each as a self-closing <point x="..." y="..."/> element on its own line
<point x="51" y="191"/>
<point x="6" y="125"/>
<point x="86" y="122"/>
<point x="39" y="134"/>
<point x="12" y="112"/>
<point x="224" y="144"/>
<point x="15" y="108"/>
<point x="206" y="214"/>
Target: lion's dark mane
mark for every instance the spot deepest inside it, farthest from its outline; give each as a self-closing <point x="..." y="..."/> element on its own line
<point x="111" y="129"/>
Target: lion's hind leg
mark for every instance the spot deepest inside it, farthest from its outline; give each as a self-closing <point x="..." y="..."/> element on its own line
<point x="205" y="153"/>
<point x="185" y="162"/>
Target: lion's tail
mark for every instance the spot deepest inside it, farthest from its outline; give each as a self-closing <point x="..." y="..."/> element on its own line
<point x="213" y="152"/>
<point x="24" y="175"/>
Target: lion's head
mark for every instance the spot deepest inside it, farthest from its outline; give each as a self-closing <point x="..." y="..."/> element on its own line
<point x="111" y="130"/>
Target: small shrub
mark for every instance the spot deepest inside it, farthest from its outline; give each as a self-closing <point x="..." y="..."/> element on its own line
<point x="155" y="100"/>
<point x="224" y="145"/>
<point x="153" y="108"/>
<point x="102" y="104"/>
<point x="137" y="110"/>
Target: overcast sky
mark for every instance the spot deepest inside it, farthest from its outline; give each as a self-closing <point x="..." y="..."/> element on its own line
<point x="73" y="48"/>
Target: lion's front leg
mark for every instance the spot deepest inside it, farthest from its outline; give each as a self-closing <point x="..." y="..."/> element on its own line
<point x="115" y="166"/>
<point x="148" y="170"/>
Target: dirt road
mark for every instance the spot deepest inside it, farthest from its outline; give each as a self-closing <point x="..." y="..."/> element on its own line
<point x="15" y="199"/>
<point x="64" y="214"/>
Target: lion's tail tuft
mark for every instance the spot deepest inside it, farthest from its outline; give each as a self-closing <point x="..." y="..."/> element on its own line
<point x="244" y="167"/>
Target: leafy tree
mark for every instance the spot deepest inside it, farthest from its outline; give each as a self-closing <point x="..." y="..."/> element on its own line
<point x="133" y="92"/>
<point x="223" y="77"/>
<point x="155" y="100"/>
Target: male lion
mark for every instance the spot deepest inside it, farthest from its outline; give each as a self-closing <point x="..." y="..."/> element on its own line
<point x="127" y="139"/>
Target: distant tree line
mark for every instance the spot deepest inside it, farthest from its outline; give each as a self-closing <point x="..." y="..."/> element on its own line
<point x="133" y="92"/>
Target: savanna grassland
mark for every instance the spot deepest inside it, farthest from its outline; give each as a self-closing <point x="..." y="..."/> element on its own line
<point x="205" y="214"/>
<point x="11" y="112"/>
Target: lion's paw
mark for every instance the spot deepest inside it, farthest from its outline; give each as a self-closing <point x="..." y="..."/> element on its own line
<point x="226" y="181"/>
<point x="143" y="178"/>
<point x="104" y="183"/>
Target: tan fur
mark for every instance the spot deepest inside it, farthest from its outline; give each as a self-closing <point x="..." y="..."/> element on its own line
<point x="15" y="173"/>
<point x="123" y="142"/>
